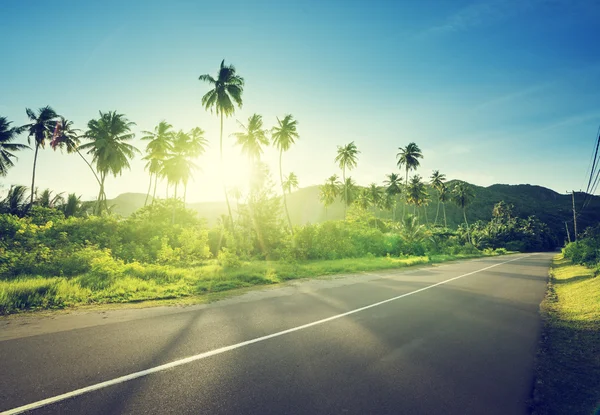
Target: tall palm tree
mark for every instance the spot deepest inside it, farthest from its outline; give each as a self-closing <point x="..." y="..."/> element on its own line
<point x="67" y="137"/>
<point x="15" y="202"/>
<point x="364" y="199"/>
<point x="347" y="158"/>
<point x="226" y="92"/>
<point x="462" y="196"/>
<point x="409" y="158"/>
<point x="393" y="187"/>
<point x="191" y="146"/>
<point x="437" y="181"/>
<point x="285" y="134"/>
<point x="159" y="144"/>
<point x="7" y="149"/>
<point x="443" y="197"/>
<point x="252" y="137"/>
<point x="41" y="128"/>
<point x="109" y="149"/>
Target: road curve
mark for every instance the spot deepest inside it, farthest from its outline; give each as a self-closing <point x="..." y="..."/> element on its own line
<point x="455" y="339"/>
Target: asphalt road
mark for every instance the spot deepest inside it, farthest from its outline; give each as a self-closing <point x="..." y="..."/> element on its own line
<point x="465" y="346"/>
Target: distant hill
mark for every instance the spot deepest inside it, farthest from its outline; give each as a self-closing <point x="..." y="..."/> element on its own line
<point x="305" y="207"/>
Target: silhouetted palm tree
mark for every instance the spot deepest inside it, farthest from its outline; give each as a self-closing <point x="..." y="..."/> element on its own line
<point x="376" y="195"/>
<point x="350" y="191"/>
<point x="285" y="134"/>
<point x="462" y="196"/>
<point x="415" y="192"/>
<point x="191" y="145"/>
<point x="7" y="148"/>
<point x="409" y="158"/>
<point x="443" y="196"/>
<point x="72" y="206"/>
<point x="41" y="129"/>
<point x="437" y="182"/>
<point x="15" y="202"/>
<point x="226" y="91"/>
<point x="48" y="200"/>
<point x="290" y="182"/>
<point x="108" y="146"/>
<point x="328" y="192"/>
<point x="347" y="158"/>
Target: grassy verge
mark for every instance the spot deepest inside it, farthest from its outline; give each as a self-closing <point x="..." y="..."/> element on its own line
<point x="129" y="283"/>
<point x="568" y="373"/>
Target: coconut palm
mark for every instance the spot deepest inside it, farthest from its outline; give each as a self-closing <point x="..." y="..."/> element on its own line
<point x="350" y="192"/>
<point x="409" y="158"/>
<point x="67" y="137"/>
<point x="226" y="92"/>
<point x="7" y="148"/>
<point x="252" y="137"/>
<point x="376" y="195"/>
<point x="462" y="196"/>
<point x="48" y="200"/>
<point x="415" y="192"/>
<point x="347" y="158"/>
<point x="290" y="182"/>
<point x="328" y="192"/>
<point x="191" y="146"/>
<point x="109" y="149"/>
<point x="15" y="202"/>
<point x="159" y="144"/>
<point x="72" y="206"/>
<point x="393" y="187"/>
<point x="284" y="134"/>
<point x="41" y="128"/>
<point x="364" y="199"/>
<point x="443" y="196"/>
<point x="437" y="180"/>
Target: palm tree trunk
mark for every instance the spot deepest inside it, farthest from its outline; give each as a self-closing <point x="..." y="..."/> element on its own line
<point x="405" y="187"/>
<point x="174" y="203"/>
<point x="444" y="209"/>
<point x="37" y="147"/>
<point x="283" y="190"/>
<point x="101" y="194"/>
<point x="467" y="223"/>
<point x="345" y="190"/>
<point x="437" y="213"/>
<point x="426" y="218"/>
<point x="154" y="192"/>
<point x="149" y="188"/>
<point x="223" y="175"/>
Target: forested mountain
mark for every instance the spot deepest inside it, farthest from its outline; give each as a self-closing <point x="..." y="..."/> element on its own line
<point x="305" y="207"/>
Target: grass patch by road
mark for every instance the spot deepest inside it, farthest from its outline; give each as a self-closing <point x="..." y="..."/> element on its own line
<point x="135" y="282"/>
<point x="568" y="373"/>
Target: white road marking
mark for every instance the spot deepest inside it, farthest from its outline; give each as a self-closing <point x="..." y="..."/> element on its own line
<point x="204" y="355"/>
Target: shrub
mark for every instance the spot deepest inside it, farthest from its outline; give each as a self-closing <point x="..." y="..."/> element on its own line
<point x="228" y="259"/>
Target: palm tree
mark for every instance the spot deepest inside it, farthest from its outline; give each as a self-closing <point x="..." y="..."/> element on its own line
<point x="393" y="188"/>
<point x="72" y="206"/>
<point x="375" y="195"/>
<point x="443" y="198"/>
<point x="7" y="149"/>
<point x="226" y="91"/>
<point x="347" y="157"/>
<point x="41" y="129"/>
<point x="328" y="192"/>
<point x="415" y="192"/>
<point x="47" y="200"/>
<point x="285" y="134"/>
<point x="290" y="182"/>
<point x="409" y="158"/>
<point x="159" y="144"/>
<point x="236" y="193"/>
<point x="437" y="181"/>
<point x="191" y="146"/>
<point x="252" y="137"/>
<point x="350" y="192"/>
<point x="462" y="196"/>
<point x="108" y="146"/>
<point x="15" y="202"/>
<point x="66" y="136"/>
<point x="364" y="199"/>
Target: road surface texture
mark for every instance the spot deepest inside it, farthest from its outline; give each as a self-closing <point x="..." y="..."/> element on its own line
<point x="459" y="338"/>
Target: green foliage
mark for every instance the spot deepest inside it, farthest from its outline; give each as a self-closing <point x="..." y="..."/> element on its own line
<point x="586" y="250"/>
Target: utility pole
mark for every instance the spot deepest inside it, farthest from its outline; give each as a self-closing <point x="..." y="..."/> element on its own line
<point x="574" y="215"/>
<point x="568" y="235"/>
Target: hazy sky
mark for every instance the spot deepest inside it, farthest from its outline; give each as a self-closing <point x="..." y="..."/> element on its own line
<point x="504" y="91"/>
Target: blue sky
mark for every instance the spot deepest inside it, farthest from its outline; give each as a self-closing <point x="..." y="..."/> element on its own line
<point x="500" y="91"/>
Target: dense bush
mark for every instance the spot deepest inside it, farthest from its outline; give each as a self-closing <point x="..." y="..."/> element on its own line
<point x="586" y="250"/>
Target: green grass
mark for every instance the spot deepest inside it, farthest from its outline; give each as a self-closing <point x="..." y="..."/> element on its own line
<point x="137" y="282"/>
<point x="568" y="378"/>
